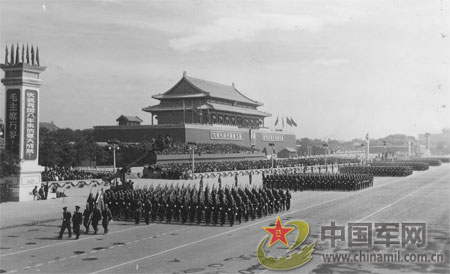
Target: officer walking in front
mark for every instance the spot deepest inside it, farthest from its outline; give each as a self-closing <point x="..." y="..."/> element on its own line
<point x="107" y="217"/>
<point x="66" y="223"/>
<point x="96" y="217"/>
<point x="77" y="219"/>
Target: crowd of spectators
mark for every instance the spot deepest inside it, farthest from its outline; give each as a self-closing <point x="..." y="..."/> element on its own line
<point x="180" y="170"/>
<point x="207" y="149"/>
<point x="64" y="173"/>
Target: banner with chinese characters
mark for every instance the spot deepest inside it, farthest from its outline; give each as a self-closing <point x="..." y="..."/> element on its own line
<point x="266" y="137"/>
<point x="12" y="123"/>
<point x="30" y="125"/>
<point x="226" y="135"/>
<point x="252" y="134"/>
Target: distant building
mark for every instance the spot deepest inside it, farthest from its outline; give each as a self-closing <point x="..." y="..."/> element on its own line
<point x="287" y="152"/>
<point x="436" y="139"/>
<point x="50" y="126"/>
<point x="196" y="110"/>
<point x="129" y="120"/>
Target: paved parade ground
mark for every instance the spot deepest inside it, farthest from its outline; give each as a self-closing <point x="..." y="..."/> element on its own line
<point x="174" y="248"/>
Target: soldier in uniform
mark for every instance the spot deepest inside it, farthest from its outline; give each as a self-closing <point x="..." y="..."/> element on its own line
<point x="77" y="219"/>
<point x="222" y="211"/>
<point x="96" y="217"/>
<point x="107" y="217"/>
<point x="137" y="211"/>
<point x="176" y="209"/>
<point x="87" y="218"/>
<point x="288" y="199"/>
<point x="191" y="209"/>
<point x="199" y="211"/>
<point x="147" y="210"/>
<point x="65" y="223"/>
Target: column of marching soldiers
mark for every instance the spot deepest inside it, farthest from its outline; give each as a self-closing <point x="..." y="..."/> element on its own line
<point x="214" y="206"/>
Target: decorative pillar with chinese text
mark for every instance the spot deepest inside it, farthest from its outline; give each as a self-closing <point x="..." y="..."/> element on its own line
<point x="22" y="82"/>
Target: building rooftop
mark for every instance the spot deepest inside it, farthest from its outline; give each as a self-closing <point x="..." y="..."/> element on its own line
<point x="50" y="126"/>
<point x="129" y="118"/>
<point x="208" y="88"/>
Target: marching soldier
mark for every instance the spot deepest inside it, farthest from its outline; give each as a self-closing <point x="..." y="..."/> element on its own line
<point x="288" y="199"/>
<point x="65" y="223"/>
<point x="77" y="219"/>
<point x="87" y="218"/>
<point x="199" y="211"/>
<point x="208" y="210"/>
<point x="107" y="217"/>
<point x="147" y="210"/>
<point x="137" y="211"/>
<point x="96" y="217"/>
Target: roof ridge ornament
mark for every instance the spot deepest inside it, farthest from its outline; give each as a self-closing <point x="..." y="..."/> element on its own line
<point x="184" y="73"/>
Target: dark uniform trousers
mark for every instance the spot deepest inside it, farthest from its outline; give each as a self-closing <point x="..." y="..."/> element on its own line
<point x="77" y="219"/>
<point x="96" y="217"/>
<point x="65" y="224"/>
<point x="107" y="217"/>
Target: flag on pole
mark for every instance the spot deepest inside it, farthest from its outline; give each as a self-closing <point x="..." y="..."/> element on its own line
<point x="288" y="121"/>
<point x="276" y="121"/>
<point x="367" y="137"/>
<point x="293" y="122"/>
<point x="282" y="120"/>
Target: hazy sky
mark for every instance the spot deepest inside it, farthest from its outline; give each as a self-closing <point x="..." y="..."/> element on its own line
<point x="339" y="68"/>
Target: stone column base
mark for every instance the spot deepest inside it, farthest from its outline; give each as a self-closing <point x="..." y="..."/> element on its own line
<point x="23" y="184"/>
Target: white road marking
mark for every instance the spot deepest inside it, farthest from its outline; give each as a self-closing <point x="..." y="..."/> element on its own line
<point x="41" y="264"/>
<point x="50" y="262"/>
<point x="62" y="259"/>
<point x="391" y="204"/>
<point x="73" y="256"/>
<point x="69" y="242"/>
<point x="26" y="267"/>
<point x="250" y="225"/>
<point x="13" y="271"/>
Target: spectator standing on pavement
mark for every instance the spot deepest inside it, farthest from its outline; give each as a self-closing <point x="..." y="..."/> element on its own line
<point x="66" y="223"/>
<point x="77" y="219"/>
<point x="41" y="193"/>
<point x="35" y="193"/>
<point x="46" y="191"/>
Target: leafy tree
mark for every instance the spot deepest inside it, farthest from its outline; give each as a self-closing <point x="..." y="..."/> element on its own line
<point x="9" y="163"/>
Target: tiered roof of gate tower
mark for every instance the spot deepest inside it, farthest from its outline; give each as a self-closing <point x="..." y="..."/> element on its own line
<point x="193" y="100"/>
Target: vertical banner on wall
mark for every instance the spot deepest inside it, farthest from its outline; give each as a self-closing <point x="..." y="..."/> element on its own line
<point x="12" y="130"/>
<point x="30" y="125"/>
<point x="252" y="136"/>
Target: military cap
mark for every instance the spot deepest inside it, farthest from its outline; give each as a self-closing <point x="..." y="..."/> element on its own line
<point x="77" y="207"/>
<point x="65" y="207"/>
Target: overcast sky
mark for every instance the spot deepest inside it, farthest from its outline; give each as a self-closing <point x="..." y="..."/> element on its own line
<point x="338" y="68"/>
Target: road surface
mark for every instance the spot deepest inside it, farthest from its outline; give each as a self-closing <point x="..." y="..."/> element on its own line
<point x="423" y="197"/>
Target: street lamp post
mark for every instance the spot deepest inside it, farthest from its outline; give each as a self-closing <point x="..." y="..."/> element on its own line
<point x="114" y="145"/>
<point x="326" y="152"/>
<point x="192" y="147"/>
<point x="272" y="146"/>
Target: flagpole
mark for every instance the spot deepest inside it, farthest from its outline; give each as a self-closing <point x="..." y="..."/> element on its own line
<point x="192" y="112"/>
